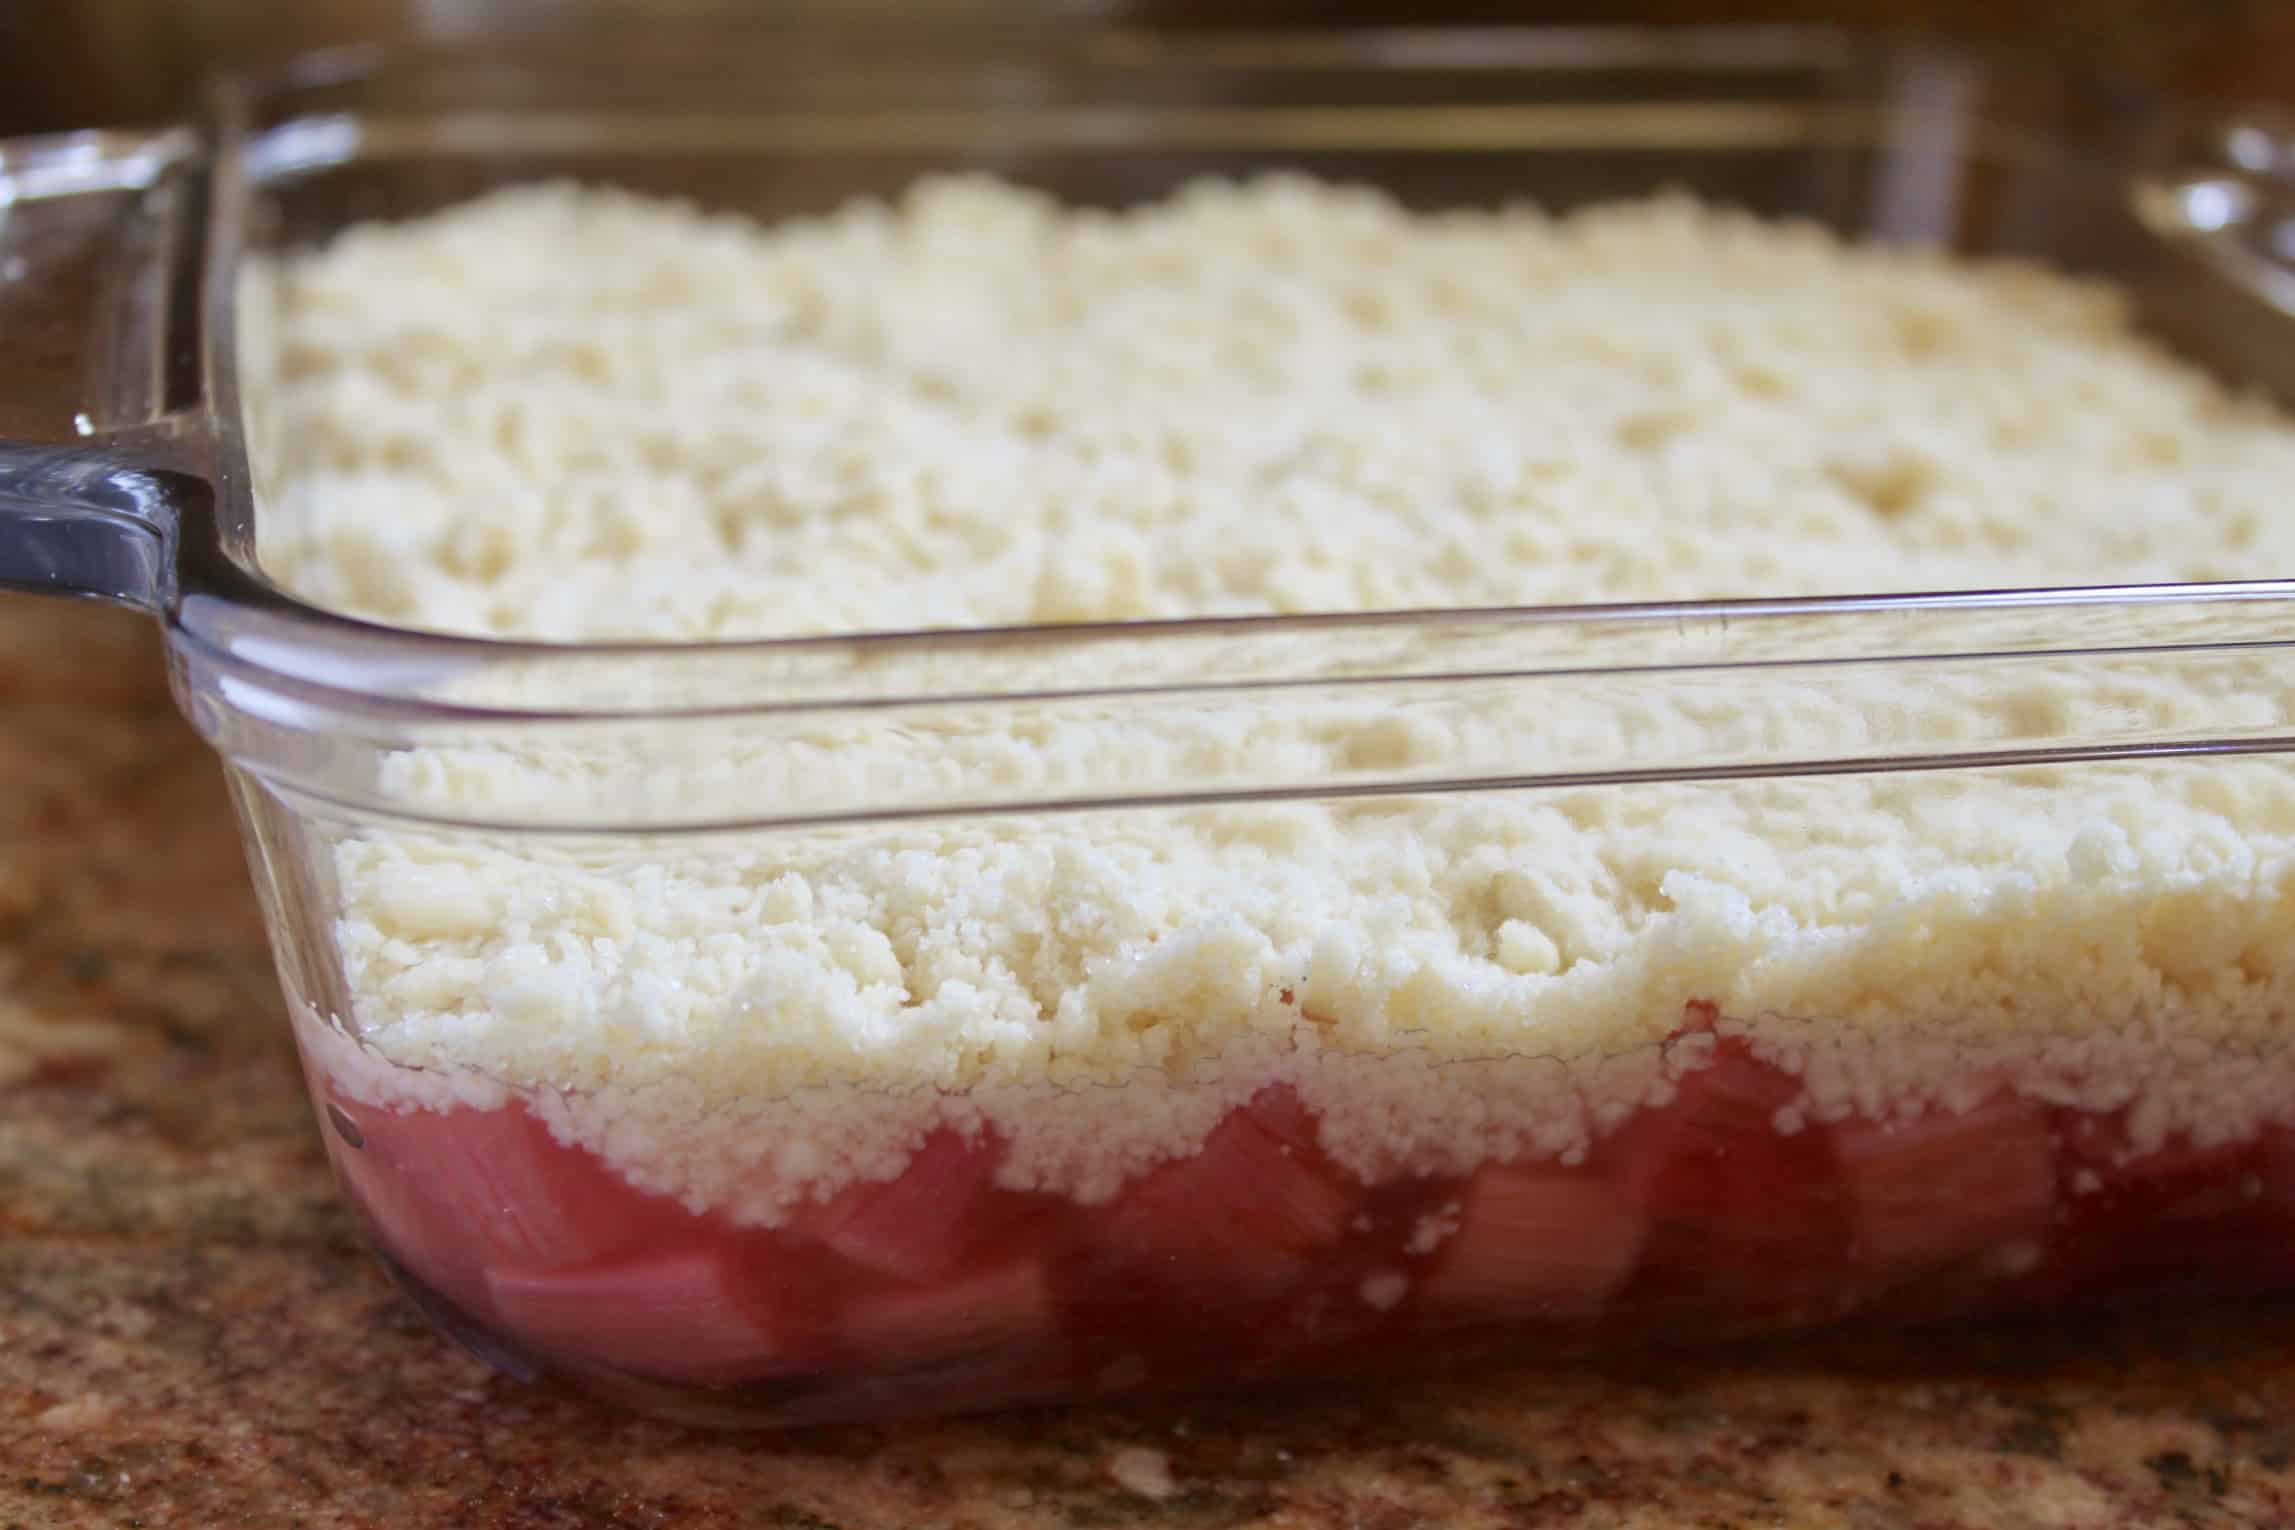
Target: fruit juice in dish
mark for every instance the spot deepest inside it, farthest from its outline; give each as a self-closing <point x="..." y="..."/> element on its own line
<point x="978" y="1109"/>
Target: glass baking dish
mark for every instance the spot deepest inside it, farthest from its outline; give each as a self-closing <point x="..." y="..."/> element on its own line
<point x="1948" y="1089"/>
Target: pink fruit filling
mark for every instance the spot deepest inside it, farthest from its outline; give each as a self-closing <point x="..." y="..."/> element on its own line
<point x="709" y="1310"/>
<point x="917" y="1224"/>
<point x="1008" y="1302"/>
<point x="1946" y="1186"/>
<point x="1537" y="1240"/>
<point x="1253" y="1211"/>
<point x="1721" y="1210"/>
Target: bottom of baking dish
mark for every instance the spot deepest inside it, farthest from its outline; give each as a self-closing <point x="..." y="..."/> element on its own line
<point x="1717" y="1209"/>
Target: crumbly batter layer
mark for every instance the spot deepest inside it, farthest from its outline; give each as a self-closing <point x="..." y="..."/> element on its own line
<point x="574" y="414"/>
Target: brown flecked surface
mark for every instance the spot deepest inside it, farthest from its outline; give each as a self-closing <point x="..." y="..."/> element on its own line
<point x="190" y="1334"/>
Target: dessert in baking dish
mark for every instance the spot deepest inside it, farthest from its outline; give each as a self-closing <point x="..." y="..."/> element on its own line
<point x="1029" y="1104"/>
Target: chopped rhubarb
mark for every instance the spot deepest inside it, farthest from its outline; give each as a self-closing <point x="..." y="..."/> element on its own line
<point x="1356" y="1310"/>
<point x="919" y="1223"/>
<point x="1536" y="1240"/>
<point x="2176" y="1178"/>
<point x="1746" y="1215"/>
<point x="1005" y="1303"/>
<point x="1946" y="1186"/>
<point x="1720" y="1211"/>
<point x="688" y="1315"/>
<point x="2275" y="1167"/>
<point x="1246" y="1215"/>
<point x="1279" y="1110"/>
<point x="392" y="1210"/>
<point x="494" y="1185"/>
<point x="2156" y="1216"/>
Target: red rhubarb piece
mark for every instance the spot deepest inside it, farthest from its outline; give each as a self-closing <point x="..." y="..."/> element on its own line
<point x="2104" y="1165"/>
<point x="1747" y="1223"/>
<point x="496" y="1187"/>
<point x="918" y="1224"/>
<point x="1246" y="1215"/>
<point x="2163" y="1215"/>
<point x="686" y="1315"/>
<point x="1946" y="1186"/>
<point x="1006" y="1302"/>
<point x="399" y="1216"/>
<point x="2275" y="1167"/>
<point x="1536" y="1240"/>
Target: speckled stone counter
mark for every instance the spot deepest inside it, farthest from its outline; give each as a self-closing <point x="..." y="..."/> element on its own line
<point x="191" y="1335"/>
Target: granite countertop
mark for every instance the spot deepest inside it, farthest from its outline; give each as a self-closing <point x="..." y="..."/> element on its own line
<point x="191" y="1334"/>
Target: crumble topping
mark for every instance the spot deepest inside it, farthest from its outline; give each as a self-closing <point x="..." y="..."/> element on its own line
<point x="575" y="414"/>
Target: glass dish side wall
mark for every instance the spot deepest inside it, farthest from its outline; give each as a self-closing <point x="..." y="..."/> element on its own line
<point x="2046" y="1083"/>
<point x="1880" y="143"/>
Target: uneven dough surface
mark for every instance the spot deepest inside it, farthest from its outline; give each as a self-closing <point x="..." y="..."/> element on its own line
<point x="576" y="415"/>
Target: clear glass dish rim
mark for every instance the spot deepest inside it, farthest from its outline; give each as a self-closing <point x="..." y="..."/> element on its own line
<point x="230" y="619"/>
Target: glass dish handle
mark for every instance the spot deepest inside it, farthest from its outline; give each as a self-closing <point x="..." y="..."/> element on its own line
<point x="100" y="440"/>
<point x="2233" y="204"/>
<point x="88" y="523"/>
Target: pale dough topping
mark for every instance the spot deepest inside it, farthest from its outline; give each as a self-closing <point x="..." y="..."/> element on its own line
<point x="577" y="415"/>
